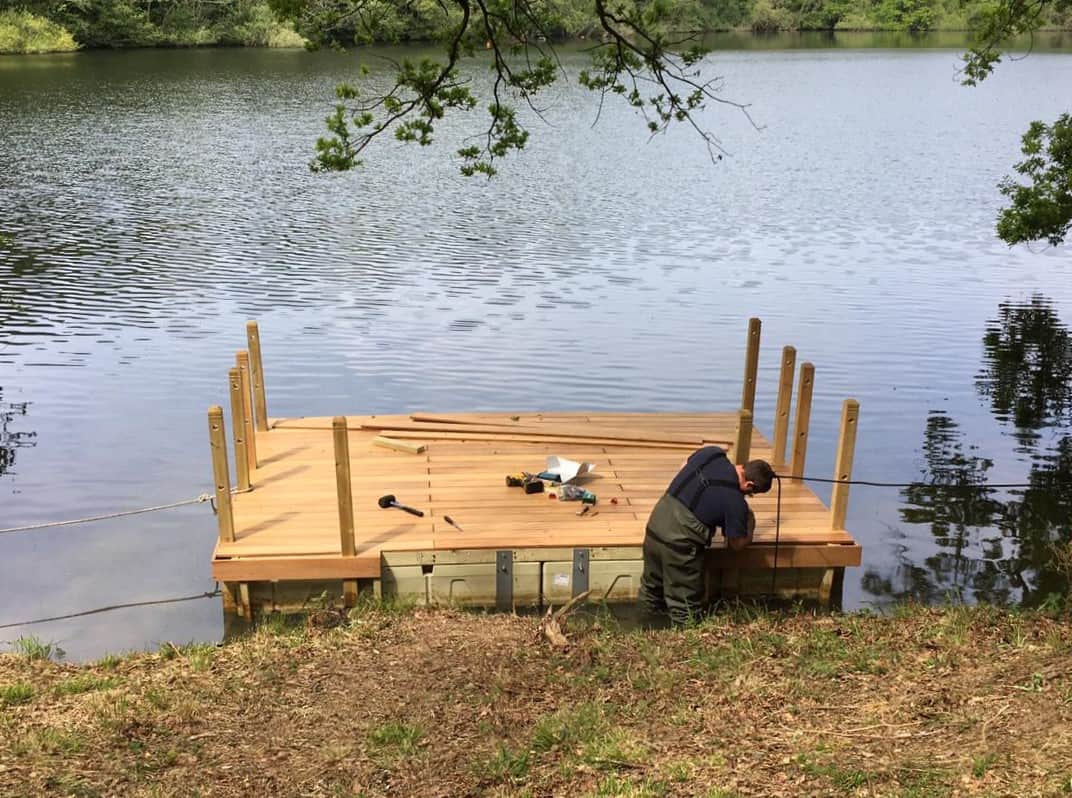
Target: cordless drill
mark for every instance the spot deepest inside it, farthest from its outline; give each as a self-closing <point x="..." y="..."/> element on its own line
<point x="523" y="479"/>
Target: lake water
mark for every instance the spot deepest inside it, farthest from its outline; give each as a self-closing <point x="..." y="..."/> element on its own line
<point x="152" y="201"/>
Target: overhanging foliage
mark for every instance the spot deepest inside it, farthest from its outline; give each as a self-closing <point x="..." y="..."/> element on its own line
<point x="1041" y="209"/>
<point x="646" y="53"/>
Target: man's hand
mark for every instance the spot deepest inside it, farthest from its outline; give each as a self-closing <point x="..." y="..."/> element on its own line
<point x="739" y="543"/>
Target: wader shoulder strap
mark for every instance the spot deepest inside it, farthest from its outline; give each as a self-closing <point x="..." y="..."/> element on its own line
<point x="704" y="483"/>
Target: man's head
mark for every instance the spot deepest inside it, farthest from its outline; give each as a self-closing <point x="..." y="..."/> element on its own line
<point x="756" y="476"/>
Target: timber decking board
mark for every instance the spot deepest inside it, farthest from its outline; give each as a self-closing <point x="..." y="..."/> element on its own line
<point x="288" y="527"/>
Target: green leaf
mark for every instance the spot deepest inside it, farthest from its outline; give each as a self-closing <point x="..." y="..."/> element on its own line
<point x="1041" y="209"/>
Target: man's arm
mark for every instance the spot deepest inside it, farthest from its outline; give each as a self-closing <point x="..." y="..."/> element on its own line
<point x="738" y="542"/>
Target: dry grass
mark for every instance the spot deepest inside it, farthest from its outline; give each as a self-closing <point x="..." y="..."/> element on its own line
<point x="441" y="703"/>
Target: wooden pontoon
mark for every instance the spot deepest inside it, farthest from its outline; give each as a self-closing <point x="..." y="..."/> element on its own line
<point x="304" y="516"/>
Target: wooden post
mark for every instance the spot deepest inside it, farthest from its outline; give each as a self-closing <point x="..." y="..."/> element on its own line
<point x="260" y="405"/>
<point x="238" y="429"/>
<point x="751" y="366"/>
<point x="839" y="498"/>
<point x="800" y="427"/>
<point x="229" y="594"/>
<point x="832" y="588"/>
<point x="742" y="446"/>
<point x="346" y="502"/>
<point x="242" y="359"/>
<point x="826" y="587"/>
<point x="245" y="606"/>
<point x="785" y="400"/>
<point x="221" y="478"/>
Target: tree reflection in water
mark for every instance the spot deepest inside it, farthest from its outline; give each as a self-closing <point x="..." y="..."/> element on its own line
<point x="991" y="545"/>
<point x="10" y="439"/>
<point x="1027" y="369"/>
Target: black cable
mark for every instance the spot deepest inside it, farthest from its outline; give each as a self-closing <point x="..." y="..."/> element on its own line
<point x="916" y="484"/>
<point x="777" y="535"/>
<point x="197" y="597"/>
<point x="869" y="483"/>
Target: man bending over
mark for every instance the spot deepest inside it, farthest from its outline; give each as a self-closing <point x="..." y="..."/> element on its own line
<point x="708" y="492"/>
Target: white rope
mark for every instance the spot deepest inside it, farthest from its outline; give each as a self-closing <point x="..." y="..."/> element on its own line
<point x="204" y="497"/>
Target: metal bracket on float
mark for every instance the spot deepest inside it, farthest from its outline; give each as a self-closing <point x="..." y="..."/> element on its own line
<point x="504" y="581"/>
<point x="580" y="580"/>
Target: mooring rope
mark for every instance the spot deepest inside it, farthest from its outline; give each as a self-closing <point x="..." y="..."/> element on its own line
<point x="110" y="608"/>
<point x="199" y="499"/>
<point x="204" y="497"/>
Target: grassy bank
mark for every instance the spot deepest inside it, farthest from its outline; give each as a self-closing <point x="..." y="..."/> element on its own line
<point x="920" y="703"/>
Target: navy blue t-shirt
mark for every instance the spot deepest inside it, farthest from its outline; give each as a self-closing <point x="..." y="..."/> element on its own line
<point x="717" y="505"/>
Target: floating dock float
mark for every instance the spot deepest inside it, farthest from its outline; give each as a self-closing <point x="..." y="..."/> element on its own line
<point x="304" y="518"/>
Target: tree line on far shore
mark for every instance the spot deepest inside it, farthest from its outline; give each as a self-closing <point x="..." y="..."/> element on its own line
<point x="61" y="25"/>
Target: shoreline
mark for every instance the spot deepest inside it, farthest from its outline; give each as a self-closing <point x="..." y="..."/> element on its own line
<point x="396" y="701"/>
<point x="740" y="31"/>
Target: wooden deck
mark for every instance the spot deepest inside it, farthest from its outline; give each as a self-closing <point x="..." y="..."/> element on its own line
<point x="288" y="527"/>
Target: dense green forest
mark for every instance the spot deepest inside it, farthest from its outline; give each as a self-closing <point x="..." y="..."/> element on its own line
<point x="28" y="26"/>
<point x="59" y="25"/>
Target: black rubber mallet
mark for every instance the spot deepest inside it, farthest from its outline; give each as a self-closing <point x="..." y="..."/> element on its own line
<point x="389" y="501"/>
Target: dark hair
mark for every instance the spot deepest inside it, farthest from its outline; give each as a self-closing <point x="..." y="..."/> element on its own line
<point x="760" y="474"/>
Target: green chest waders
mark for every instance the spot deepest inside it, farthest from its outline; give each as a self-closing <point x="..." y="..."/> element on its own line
<point x="674" y="544"/>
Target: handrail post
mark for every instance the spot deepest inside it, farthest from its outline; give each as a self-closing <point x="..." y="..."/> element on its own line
<point x="742" y="446"/>
<point x="221" y="478"/>
<point x="839" y="498"/>
<point x="242" y="359"/>
<point x="346" y="502"/>
<point x="785" y="401"/>
<point x="800" y="426"/>
<point x="238" y="429"/>
<point x="751" y="366"/>
<point x="260" y="404"/>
